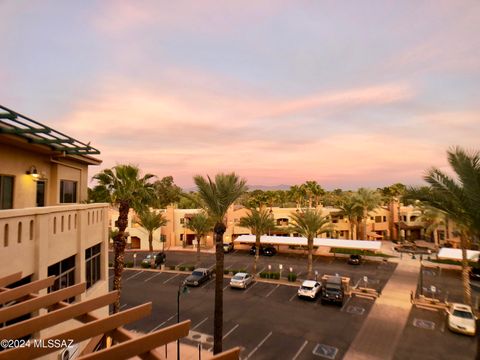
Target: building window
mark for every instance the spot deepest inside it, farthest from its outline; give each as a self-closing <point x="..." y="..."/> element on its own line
<point x="378" y="219"/>
<point x="64" y="272"/>
<point x="68" y="191"/>
<point x="6" y="192"/>
<point x="384" y="219"/>
<point x="92" y="265"/>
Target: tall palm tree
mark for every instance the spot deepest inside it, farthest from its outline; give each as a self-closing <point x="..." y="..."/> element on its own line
<point x="459" y="198"/>
<point x="433" y="218"/>
<point x="366" y="200"/>
<point x="310" y="223"/>
<point x="351" y="211"/>
<point x="201" y="224"/>
<point x="215" y="197"/>
<point x="127" y="190"/>
<point x="296" y="194"/>
<point x="260" y="222"/>
<point x="150" y="220"/>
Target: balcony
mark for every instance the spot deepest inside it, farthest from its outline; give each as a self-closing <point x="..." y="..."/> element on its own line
<point x="33" y="238"/>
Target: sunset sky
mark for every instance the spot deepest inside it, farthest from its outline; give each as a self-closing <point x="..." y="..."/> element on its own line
<point x="347" y="93"/>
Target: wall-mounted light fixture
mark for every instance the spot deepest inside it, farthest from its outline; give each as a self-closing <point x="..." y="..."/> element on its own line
<point x="33" y="172"/>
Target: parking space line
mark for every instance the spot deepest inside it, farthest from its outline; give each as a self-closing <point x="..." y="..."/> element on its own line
<point x="300" y="350"/>
<point x="151" y="277"/>
<point x="226" y="287"/>
<point x="208" y="282"/>
<point x="131" y="277"/>
<point x="200" y="323"/>
<point x="255" y="283"/>
<point x="163" y="323"/>
<point x="228" y="333"/>
<point x="259" y="345"/>
<point x="262" y="270"/>
<point x="345" y="304"/>
<point x="270" y="293"/>
<point x="174" y="276"/>
<point x="293" y="297"/>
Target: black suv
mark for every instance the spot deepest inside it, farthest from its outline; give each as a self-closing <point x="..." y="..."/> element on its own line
<point x="332" y="290"/>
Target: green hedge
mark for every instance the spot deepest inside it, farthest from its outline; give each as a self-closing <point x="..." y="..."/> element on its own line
<point x="145" y="266"/>
<point x="226" y="271"/>
<point x="190" y="267"/>
<point x="454" y="262"/>
<point x="182" y="268"/>
<point x="270" y="275"/>
<point x="172" y="267"/>
<point x="357" y="252"/>
<point x="129" y="264"/>
<point x="292" y="277"/>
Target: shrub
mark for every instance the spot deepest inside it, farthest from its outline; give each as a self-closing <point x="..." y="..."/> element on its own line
<point x="275" y="275"/>
<point x="190" y="267"/>
<point x="233" y="271"/>
<point x="172" y="267"/>
<point x="129" y="264"/>
<point x="145" y="265"/>
<point x="292" y="277"/>
<point x="226" y="271"/>
<point x="181" y="268"/>
<point x="263" y="274"/>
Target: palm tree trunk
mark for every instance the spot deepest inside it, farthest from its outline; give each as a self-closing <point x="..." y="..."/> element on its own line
<point x="257" y="252"/>
<point x="351" y="229"/>
<point x="198" y="251"/>
<point x="310" y="259"/>
<point x="119" y="248"/>
<point x="218" y="230"/>
<point x="150" y="241"/>
<point x="364" y="230"/>
<point x="467" y="291"/>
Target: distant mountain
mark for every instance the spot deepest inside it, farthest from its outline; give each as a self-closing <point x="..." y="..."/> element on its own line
<point x="254" y="187"/>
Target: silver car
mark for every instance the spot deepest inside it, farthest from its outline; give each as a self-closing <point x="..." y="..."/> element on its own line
<point x="241" y="280"/>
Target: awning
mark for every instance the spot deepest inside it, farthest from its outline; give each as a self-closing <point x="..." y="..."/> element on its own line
<point x="456" y="254"/>
<point x="299" y="241"/>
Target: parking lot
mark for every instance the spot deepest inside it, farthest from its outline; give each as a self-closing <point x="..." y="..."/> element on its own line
<point x="268" y="321"/>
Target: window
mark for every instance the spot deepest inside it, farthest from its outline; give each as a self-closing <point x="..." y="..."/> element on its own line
<point x="6" y="192"/>
<point x="68" y="191"/>
<point x="92" y="265"/>
<point x="64" y="272"/>
<point x="378" y="219"/>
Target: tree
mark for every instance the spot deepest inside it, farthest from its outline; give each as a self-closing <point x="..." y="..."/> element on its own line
<point x="166" y="192"/>
<point x="260" y="222"/>
<point x="215" y="197"/>
<point x="127" y="190"/>
<point x="366" y="200"/>
<point x="351" y="211"/>
<point x="150" y="220"/>
<point x="310" y="223"/>
<point x="296" y="194"/>
<point x="433" y="218"/>
<point x="99" y="194"/>
<point x="458" y="198"/>
<point x="201" y="224"/>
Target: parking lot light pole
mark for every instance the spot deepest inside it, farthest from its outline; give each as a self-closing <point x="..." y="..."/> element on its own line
<point x="135" y="260"/>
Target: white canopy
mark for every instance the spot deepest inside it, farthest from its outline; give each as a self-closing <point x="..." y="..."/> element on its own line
<point x="290" y="240"/>
<point x="456" y="254"/>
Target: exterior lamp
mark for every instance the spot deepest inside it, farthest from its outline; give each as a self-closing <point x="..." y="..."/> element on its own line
<point x="33" y="171"/>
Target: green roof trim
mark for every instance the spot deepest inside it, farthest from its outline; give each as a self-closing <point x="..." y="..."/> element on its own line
<point x="34" y="132"/>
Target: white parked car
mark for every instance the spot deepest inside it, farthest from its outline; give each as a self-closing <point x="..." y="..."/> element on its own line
<point x="309" y="288"/>
<point x="461" y="319"/>
<point x="241" y="280"/>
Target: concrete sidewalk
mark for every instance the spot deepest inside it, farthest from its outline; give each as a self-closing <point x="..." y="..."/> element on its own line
<point x="379" y="336"/>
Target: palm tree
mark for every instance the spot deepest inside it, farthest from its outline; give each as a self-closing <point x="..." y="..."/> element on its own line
<point x="296" y="194"/>
<point x="127" y="190"/>
<point x="215" y="197"/>
<point x="310" y="223"/>
<point x="150" y="220"/>
<point x="201" y="224"/>
<point x="433" y="218"/>
<point x="351" y="211"/>
<point x="366" y="200"/>
<point x="458" y="198"/>
<point x="260" y="222"/>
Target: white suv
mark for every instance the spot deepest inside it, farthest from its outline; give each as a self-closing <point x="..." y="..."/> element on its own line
<point x="309" y="289"/>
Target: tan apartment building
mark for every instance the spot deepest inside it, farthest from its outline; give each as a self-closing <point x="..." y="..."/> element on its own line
<point x="384" y="223"/>
<point x="46" y="228"/>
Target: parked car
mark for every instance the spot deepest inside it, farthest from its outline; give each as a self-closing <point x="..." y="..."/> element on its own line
<point x="158" y="259"/>
<point x="227" y="247"/>
<point x="309" y="288"/>
<point x="264" y="250"/>
<point x="198" y="277"/>
<point x="241" y="280"/>
<point x="354" y="259"/>
<point x="332" y="290"/>
<point x="461" y="319"/>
